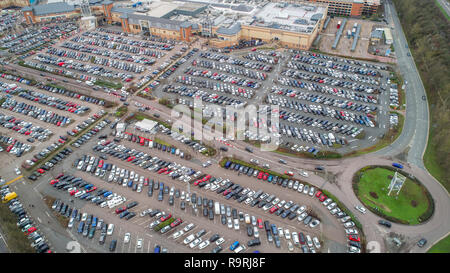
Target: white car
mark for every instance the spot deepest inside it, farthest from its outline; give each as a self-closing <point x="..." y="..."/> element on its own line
<point x="316" y="242"/>
<point x="361" y="209"/>
<point x="230" y="223"/>
<point x="303" y="173"/>
<point x="139" y="244"/>
<point x="110" y="229"/>
<point x="178" y="234"/>
<point x="287" y="234"/>
<point x="204" y="244"/>
<point x="17" y="171"/>
<point x="236" y="224"/>
<point x="349" y="224"/>
<point x="195" y="243"/>
<point x="300" y="188"/>
<point x="256" y="232"/>
<point x="302" y="216"/>
<point x="351" y="231"/>
<point x="309" y="241"/>
<point x="326" y="202"/>
<point x="301" y="209"/>
<point x="126" y="238"/>
<point x="290" y="246"/>
<point x="189" y="239"/>
<point x="188" y="227"/>
<point x="83" y="217"/>
<point x="239" y="249"/>
<point x="220" y="241"/>
<point x="70" y="225"/>
<point x="280" y="232"/>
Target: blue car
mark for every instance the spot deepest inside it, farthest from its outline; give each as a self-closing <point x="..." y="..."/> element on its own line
<point x="234" y="245"/>
<point x="397" y="165"/>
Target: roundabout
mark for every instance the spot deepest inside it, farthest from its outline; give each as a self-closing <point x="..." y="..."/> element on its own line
<point x="411" y="205"/>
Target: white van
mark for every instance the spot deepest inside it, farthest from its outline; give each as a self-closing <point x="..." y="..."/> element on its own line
<point x="110" y="229"/>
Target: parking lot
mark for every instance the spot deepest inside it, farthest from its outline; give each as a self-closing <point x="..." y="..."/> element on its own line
<point x="326" y="103"/>
<point x="176" y="202"/>
<point x="106" y="54"/>
<point x="39" y="115"/>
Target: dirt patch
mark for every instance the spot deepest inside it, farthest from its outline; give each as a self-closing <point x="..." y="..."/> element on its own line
<point x="377" y="204"/>
<point x="374" y="194"/>
<point x="414" y="203"/>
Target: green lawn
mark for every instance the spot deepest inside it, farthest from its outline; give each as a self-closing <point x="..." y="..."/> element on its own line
<point x="443" y="246"/>
<point x="401" y="207"/>
<point x="430" y="160"/>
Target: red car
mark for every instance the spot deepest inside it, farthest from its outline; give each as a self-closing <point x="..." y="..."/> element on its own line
<point x="354" y="238"/>
<point x="260" y="223"/>
<point x="206" y="178"/>
<point x="100" y="163"/>
<point x="73" y="192"/>
<point x="226" y="192"/>
<point x="131" y="158"/>
<point x="197" y="182"/>
<point x="41" y="171"/>
<point x="176" y="223"/>
<point x="318" y="193"/>
<point x="322" y="197"/>
<point x="162" y="170"/>
<point x="260" y="175"/>
<point x="59" y="175"/>
<point x="289" y="173"/>
<point x="265" y="176"/>
<point x="92" y="189"/>
<point x="273" y="209"/>
<point x="119" y="210"/>
<point x="165" y="217"/>
<point x="54" y="181"/>
<point x="31" y="230"/>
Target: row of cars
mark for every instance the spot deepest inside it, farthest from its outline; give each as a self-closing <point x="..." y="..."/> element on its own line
<point x="91" y="69"/>
<point x="269" y="202"/>
<point x="230" y="69"/>
<point x="14" y="146"/>
<point x="55" y="102"/>
<point x="26" y="223"/>
<point x="328" y="71"/>
<point x="149" y="59"/>
<point x="59" y="71"/>
<point x="35" y="112"/>
<point x="235" y="61"/>
<point x="215" y="86"/>
<point x="25" y="128"/>
<point x="177" y="64"/>
<point x="91" y="133"/>
<point x="201" y="94"/>
<point x="269" y="57"/>
<point x="352" y="93"/>
<point x="49" y="164"/>
<point x="343" y="64"/>
<point x="300" y="75"/>
<point x="222" y="77"/>
<point x="35" y="37"/>
<point x="146" y="142"/>
<point x="70" y="94"/>
<point x="119" y="38"/>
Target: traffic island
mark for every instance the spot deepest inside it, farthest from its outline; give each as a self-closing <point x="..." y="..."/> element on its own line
<point x="408" y="203"/>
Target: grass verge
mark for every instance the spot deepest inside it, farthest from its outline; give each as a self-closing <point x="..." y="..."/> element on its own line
<point x="443" y="246"/>
<point x="112" y="85"/>
<point x="16" y="240"/>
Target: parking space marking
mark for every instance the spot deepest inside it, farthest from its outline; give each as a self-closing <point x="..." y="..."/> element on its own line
<point x="14" y="180"/>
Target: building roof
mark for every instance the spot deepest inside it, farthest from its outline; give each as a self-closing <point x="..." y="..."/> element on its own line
<point x="122" y="10"/>
<point x="154" y="21"/>
<point x="59" y="7"/>
<point x="376" y="34"/>
<point x="146" y="124"/>
<point x="107" y="2"/>
<point x="234" y="29"/>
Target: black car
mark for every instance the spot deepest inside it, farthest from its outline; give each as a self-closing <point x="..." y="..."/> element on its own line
<point x="223" y="219"/>
<point x="249" y="231"/>
<point x="385" y="223"/>
<point x="254" y="242"/>
<point x="421" y="242"/>
<point x="217" y="249"/>
<point x="205" y="212"/>
<point x="112" y="245"/>
<point x="182" y="205"/>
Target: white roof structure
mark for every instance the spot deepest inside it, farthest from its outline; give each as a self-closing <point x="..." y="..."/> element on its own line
<point x="146" y="125"/>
